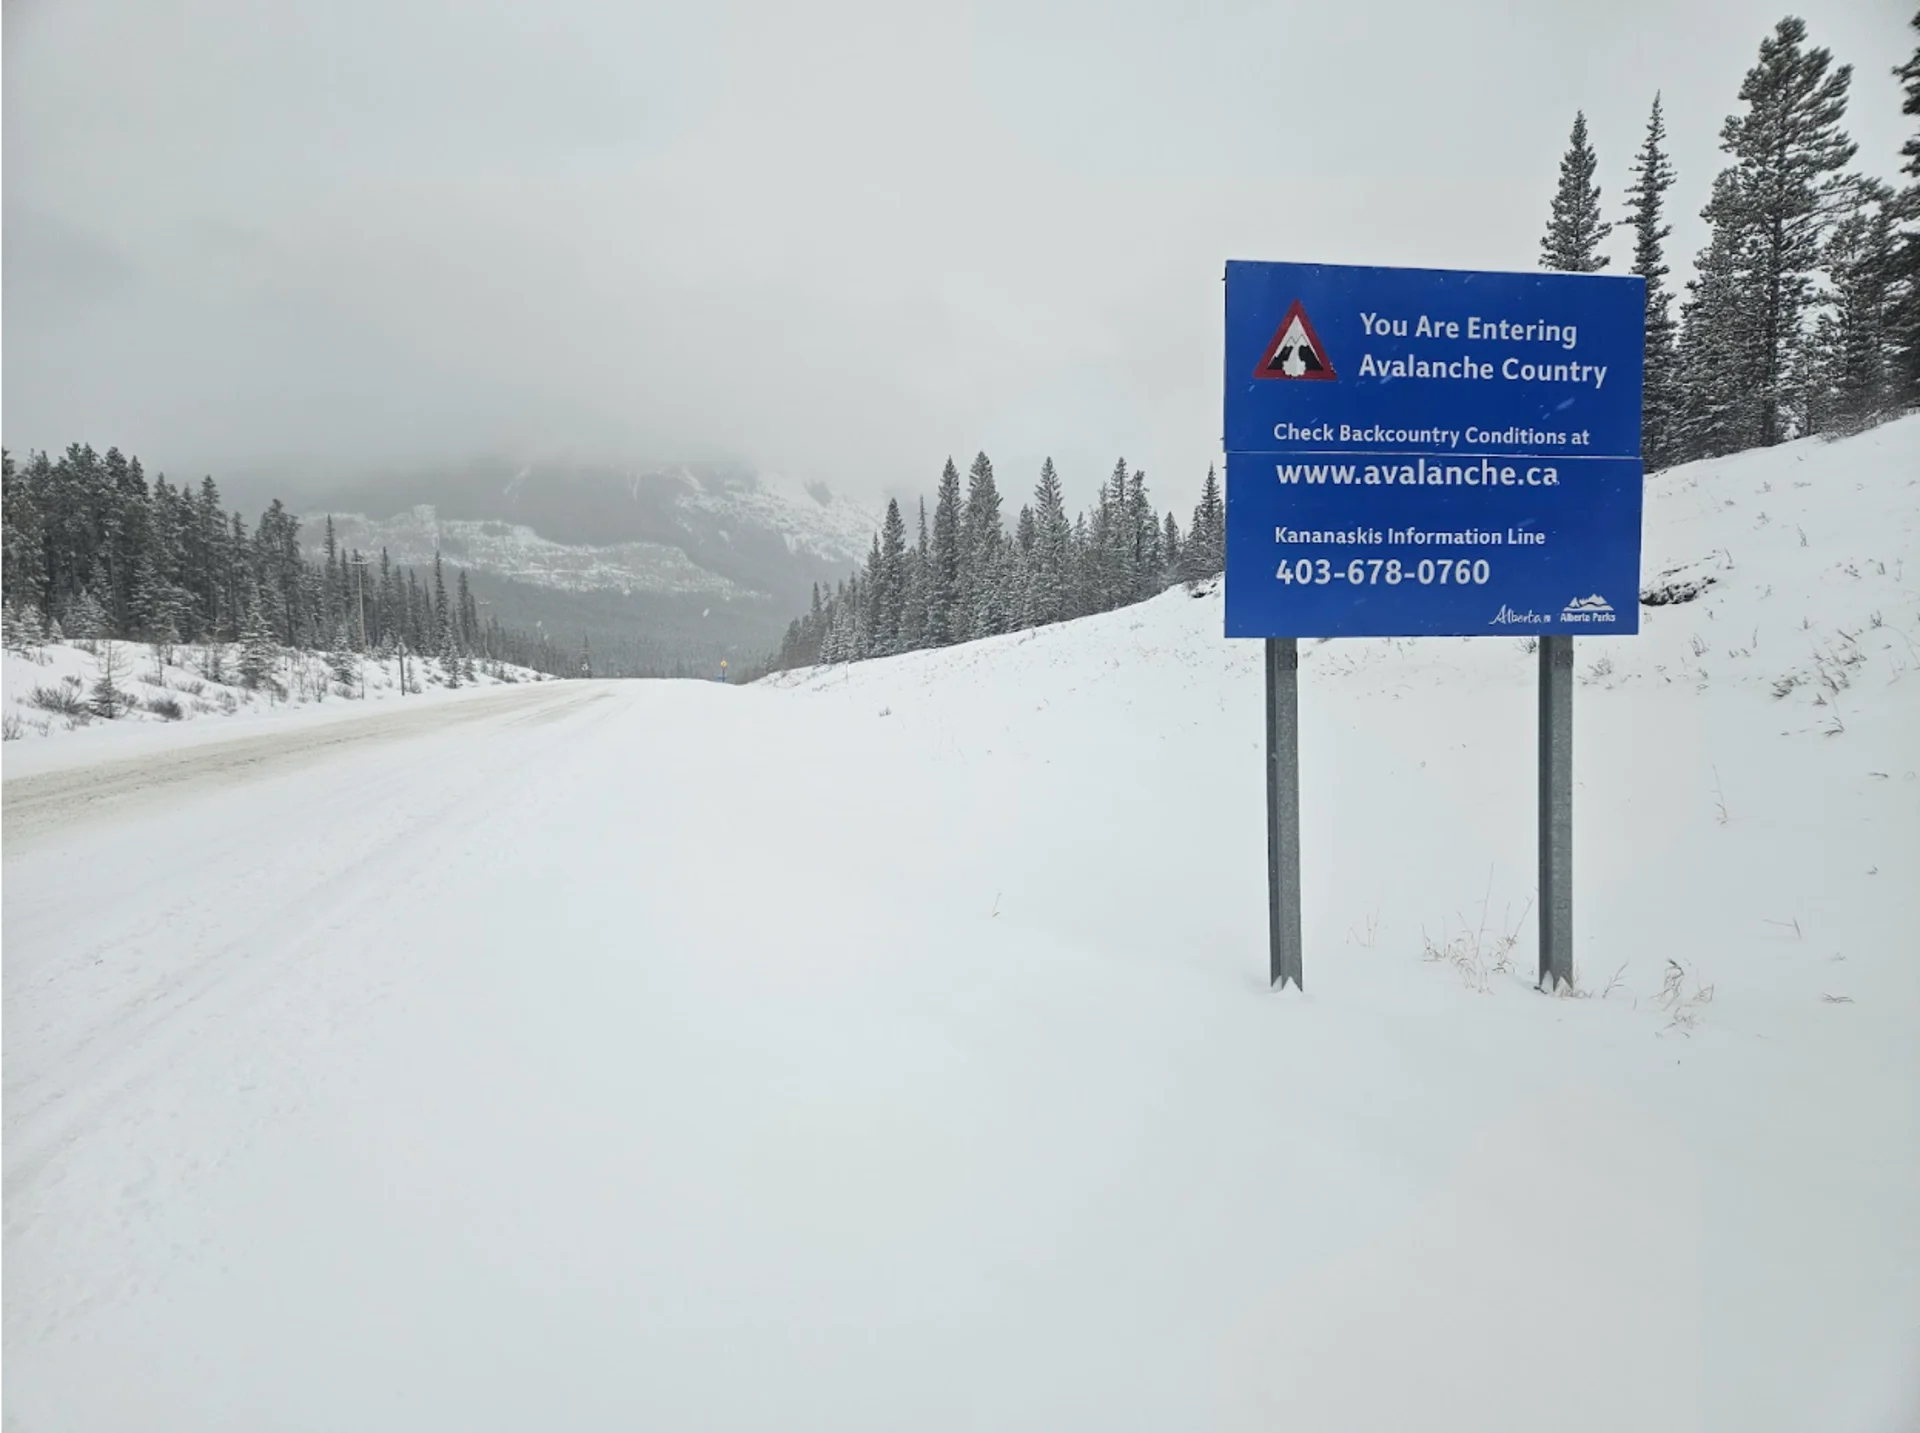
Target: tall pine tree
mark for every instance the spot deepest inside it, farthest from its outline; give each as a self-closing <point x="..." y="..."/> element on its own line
<point x="1646" y="206"/>
<point x="1206" y="539"/>
<point x="1905" y="318"/>
<point x="1788" y="152"/>
<point x="943" y="580"/>
<point x="980" y="540"/>
<point x="1575" y="228"/>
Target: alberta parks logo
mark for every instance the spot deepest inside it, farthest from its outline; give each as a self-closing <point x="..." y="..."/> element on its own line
<point x="1588" y="609"/>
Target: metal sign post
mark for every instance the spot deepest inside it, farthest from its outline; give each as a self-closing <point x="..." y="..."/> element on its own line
<point x="1556" y="812"/>
<point x="1422" y="453"/>
<point x="1283" y="811"/>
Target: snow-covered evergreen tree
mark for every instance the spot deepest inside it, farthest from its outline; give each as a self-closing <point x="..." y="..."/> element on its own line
<point x="109" y="700"/>
<point x="1574" y="227"/>
<point x="1719" y="362"/>
<point x="913" y="617"/>
<point x="890" y="582"/>
<point x="85" y="617"/>
<point x="1905" y="317"/>
<point x="943" y="581"/>
<point x="259" y="650"/>
<point x="1788" y="151"/>
<point x="1206" y="538"/>
<point x="1653" y="176"/>
<point x="1854" y="350"/>
<point x="1143" y="559"/>
<point x="1050" y="583"/>
<point x="980" y="539"/>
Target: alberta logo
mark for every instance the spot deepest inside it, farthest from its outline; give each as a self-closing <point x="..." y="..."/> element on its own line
<point x="1507" y="617"/>
<point x="1588" y="609"/>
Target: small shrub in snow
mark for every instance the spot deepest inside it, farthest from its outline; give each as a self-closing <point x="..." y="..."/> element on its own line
<point x="1683" y="1009"/>
<point x="166" y="708"/>
<point x="11" y="727"/>
<point x="109" y="699"/>
<point x="62" y="700"/>
<point x="1479" y="952"/>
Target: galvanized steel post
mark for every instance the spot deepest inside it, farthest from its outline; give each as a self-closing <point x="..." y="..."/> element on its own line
<point x="1556" y="812"/>
<point x="1283" y="811"/>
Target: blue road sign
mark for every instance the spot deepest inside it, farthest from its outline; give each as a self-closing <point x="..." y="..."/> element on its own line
<point x="1431" y="452"/>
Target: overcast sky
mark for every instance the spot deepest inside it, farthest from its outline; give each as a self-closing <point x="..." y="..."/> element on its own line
<point x="835" y="241"/>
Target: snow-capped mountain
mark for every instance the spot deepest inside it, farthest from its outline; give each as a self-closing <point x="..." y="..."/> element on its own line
<point x="515" y="551"/>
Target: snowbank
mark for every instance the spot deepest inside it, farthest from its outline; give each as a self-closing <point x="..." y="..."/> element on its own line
<point x="188" y="695"/>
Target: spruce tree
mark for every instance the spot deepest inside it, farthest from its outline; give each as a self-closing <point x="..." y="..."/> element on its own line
<point x="1111" y="532"/>
<point x="108" y="699"/>
<point x="1904" y="320"/>
<point x="466" y="625"/>
<point x="1653" y="176"/>
<point x="943" y="582"/>
<point x="333" y="586"/>
<point x="1143" y="533"/>
<point x="85" y="618"/>
<point x="442" y="623"/>
<point x="870" y="597"/>
<point x="1050" y="587"/>
<point x="1719" y="363"/>
<point x="1788" y="150"/>
<point x="980" y="540"/>
<point x="210" y="587"/>
<point x="1206" y="538"/>
<point x="1853" y="377"/>
<point x="23" y="540"/>
<point x="258" y="648"/>
<point x="890" y="581"/>
<point x="913" y="620"/>
<point x="1575" y="228"/>
<point x="238" y="577"/>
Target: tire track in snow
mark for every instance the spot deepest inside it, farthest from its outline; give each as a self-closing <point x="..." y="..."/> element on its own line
<point x="266" y="988"/>
<point x="59" y="1083"/>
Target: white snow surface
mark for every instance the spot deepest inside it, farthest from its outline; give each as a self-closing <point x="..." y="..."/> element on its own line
<point x="890" y="1046"/>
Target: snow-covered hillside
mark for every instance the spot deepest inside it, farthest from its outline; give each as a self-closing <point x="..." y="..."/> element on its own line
<point x="812" y="518"/>
<point x="889" y="1046"/>
<point x="196" y="694"/>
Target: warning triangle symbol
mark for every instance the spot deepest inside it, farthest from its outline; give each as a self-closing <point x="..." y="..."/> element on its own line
<point x="1296" y="350"/>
